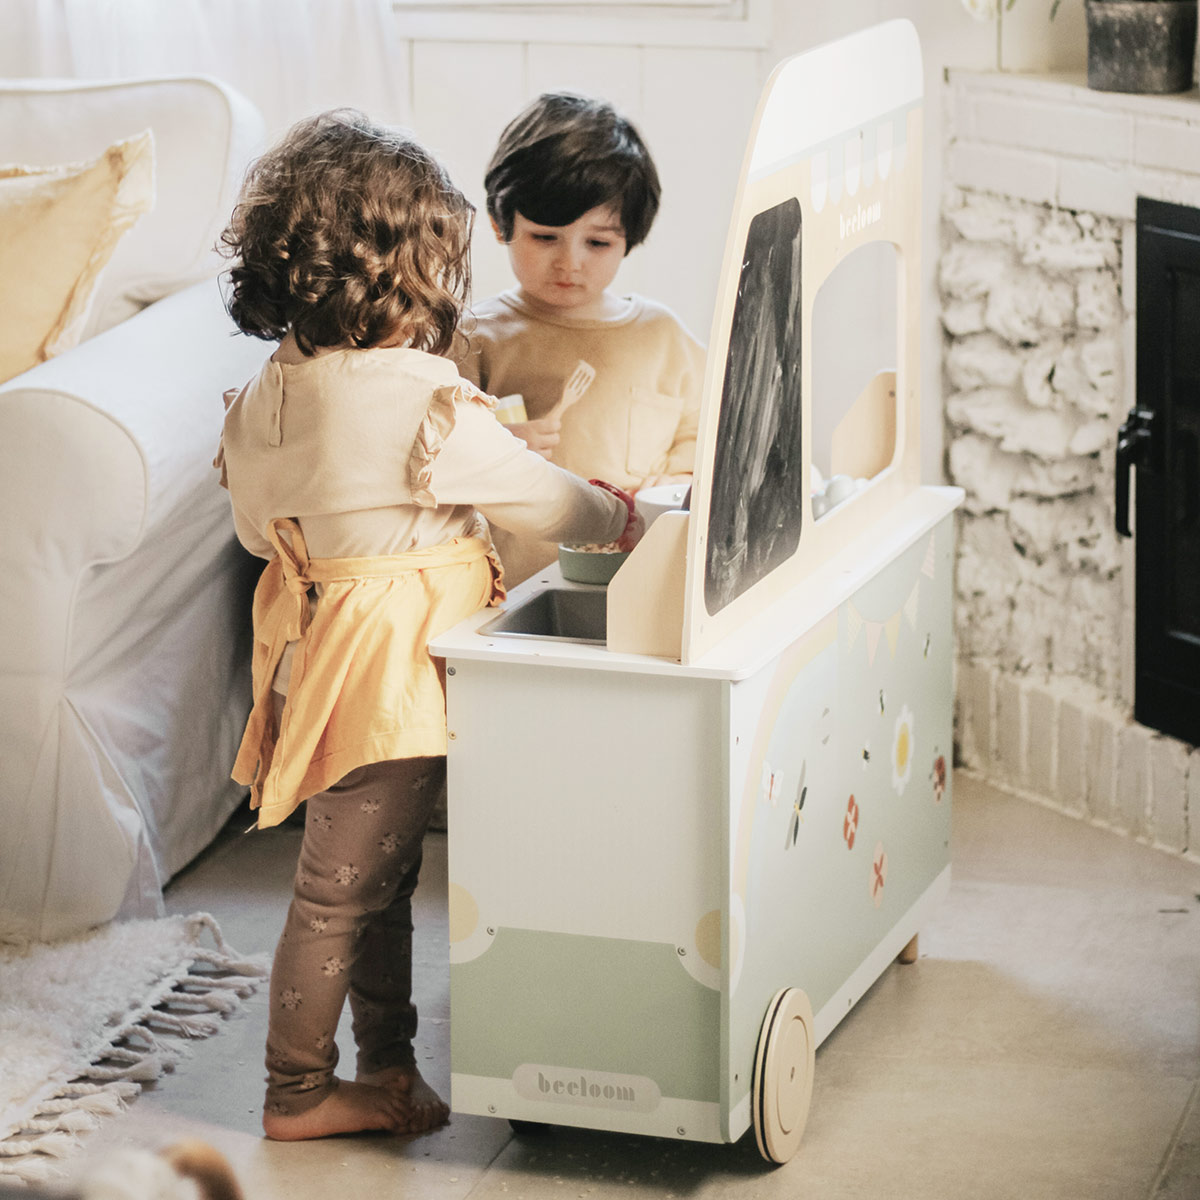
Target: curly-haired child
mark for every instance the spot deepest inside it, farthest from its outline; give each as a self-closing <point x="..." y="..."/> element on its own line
<point x="358" y="463"/>
<point x="571" y="190"/>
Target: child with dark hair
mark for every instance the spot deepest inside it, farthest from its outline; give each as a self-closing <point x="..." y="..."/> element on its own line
<point x="571" y="189"/>
<point x="358" y="463"/>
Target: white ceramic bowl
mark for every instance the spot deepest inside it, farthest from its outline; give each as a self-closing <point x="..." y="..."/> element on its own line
<point x="652" y="502"/>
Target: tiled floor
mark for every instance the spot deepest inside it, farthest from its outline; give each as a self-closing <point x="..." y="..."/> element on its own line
<point x="1045" y="1045"/>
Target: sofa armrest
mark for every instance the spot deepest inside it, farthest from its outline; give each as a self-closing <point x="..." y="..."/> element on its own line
<point x="122" y="608"/>
<point x="121" y="427"/>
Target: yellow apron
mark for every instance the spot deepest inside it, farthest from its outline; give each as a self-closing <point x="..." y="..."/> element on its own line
<point x="364" y="687"/>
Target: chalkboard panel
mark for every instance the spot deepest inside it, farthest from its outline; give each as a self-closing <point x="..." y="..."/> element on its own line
<point x="757" y="507"/>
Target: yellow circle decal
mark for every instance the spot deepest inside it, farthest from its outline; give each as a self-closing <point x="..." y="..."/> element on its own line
<point x="708" y="938"/>
<point x="464" y="913"/>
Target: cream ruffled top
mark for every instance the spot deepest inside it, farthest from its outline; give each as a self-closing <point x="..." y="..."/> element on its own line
<point x="360" y="465"/>
<point x="385" y="451"/>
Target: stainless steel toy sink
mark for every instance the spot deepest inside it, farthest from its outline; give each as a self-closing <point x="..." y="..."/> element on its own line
<point x="569" y="614"/>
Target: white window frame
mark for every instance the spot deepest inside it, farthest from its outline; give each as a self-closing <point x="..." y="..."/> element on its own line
<point x="730" y="24"/>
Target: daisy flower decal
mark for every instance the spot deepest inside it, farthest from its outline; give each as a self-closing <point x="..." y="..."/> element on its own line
<point x="902" y="750"/>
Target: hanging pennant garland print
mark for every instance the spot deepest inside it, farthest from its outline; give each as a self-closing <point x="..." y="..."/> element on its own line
<point x="889" y="630"/>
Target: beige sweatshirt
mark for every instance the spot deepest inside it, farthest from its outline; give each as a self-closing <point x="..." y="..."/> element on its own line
<point x="639" y="416"/>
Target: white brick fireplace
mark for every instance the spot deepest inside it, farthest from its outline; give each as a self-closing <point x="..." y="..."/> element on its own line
<point x="1037" y="291"/>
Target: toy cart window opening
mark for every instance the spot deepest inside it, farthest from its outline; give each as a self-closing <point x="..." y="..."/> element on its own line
<point x="855" y="341"/>
<point x="757" y="507"/>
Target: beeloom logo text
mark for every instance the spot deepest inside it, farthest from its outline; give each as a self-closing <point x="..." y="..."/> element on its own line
<point x="862" y="216"/>
<point x="597" y="1089"/>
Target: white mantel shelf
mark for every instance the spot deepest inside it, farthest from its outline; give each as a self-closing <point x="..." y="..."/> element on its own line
<point x="1050" y="139"/>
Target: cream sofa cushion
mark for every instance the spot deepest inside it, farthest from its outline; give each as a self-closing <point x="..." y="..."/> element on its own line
<point x="205" y="132"/>
<point x="58" y="229"/>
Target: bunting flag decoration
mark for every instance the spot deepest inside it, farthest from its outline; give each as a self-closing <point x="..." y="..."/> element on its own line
<point x="874" y="628"/>
<point x="929" y="566"/>
<point x="892" y="629"/>
<point x="854" y="624"/>
<point x="910" y="605"/>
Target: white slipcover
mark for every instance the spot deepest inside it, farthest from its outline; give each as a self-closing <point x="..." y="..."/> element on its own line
<point x="124" y="597"/>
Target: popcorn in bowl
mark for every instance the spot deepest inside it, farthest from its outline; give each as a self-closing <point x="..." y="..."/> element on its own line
<point x="591" y="562"/>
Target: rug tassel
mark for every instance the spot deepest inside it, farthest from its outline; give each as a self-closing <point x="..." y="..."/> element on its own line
<point x="217" y="1001"/>
<point x="138" y="1062"/>
<point x="72" y="1121"/>
<point x="239" y="984"/>
<point x="103" y="1102"/>
<point x="169" y="1051"/>
<point x="98" y="1091"/>
<point x="124" y="1054"/>
<point x="256" y="965"/>
<point x="57" y="1145"/>
<point x="190" y="1024"/>
<point x="145" y="1069"/>
<point x="31" y="1170"/>
<point x="190" y="1001"/>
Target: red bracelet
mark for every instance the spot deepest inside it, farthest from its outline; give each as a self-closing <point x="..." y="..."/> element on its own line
<point x="616" y="491"/>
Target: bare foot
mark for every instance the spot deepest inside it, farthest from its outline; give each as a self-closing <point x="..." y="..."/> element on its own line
<point x="428" y="1109"/>
<point x="349" y="1108"/>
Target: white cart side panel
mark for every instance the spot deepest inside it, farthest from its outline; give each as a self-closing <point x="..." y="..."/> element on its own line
<point x="586" y="882"/>
<point x="840" y="827"/>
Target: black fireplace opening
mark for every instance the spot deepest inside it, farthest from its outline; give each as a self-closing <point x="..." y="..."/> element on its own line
<point x="1160" y="442"/>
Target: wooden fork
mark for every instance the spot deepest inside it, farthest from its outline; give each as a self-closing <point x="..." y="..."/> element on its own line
<point x="577" y="383"/>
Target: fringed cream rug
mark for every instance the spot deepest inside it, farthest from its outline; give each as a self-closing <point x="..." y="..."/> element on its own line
<point x="85" y="1021"/>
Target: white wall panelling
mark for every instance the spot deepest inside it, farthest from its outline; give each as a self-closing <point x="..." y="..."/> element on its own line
<point x="611" y="22"/>
<point x="693" y="107"/>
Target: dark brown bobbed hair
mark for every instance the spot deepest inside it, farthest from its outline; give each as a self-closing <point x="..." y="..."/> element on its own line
<point x="349" y="233"/>
<point x="565" y="155"/>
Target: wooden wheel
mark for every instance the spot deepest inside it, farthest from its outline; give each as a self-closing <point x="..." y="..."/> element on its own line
<point x="783" y="1075"/>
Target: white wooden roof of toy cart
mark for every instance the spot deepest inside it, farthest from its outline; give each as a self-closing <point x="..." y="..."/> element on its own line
<point x="833" y="163"/>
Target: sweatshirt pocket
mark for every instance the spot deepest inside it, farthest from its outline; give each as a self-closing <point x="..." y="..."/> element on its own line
<point x="653" y="419"/>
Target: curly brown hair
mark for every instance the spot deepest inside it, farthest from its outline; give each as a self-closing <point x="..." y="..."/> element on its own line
<point x="348" y="232"/>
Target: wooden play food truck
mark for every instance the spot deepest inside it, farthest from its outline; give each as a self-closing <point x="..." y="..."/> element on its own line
<point x="696" y="813"/>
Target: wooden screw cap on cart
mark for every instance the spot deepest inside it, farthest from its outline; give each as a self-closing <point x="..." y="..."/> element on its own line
<point x="783" y="1075"/>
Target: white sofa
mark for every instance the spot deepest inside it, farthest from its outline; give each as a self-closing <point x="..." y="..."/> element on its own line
<point x="124" y="597"/>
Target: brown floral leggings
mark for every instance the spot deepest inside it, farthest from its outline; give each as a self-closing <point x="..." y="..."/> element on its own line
<point x="349" y="931"/>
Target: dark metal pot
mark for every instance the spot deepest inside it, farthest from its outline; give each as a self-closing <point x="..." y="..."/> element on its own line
<point x="1141" y="45"/>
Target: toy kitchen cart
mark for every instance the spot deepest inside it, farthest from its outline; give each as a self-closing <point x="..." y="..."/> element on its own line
<point x="695" y="814"/>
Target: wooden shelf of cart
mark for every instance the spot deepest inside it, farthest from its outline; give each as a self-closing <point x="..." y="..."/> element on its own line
<point x="680" y="851"/>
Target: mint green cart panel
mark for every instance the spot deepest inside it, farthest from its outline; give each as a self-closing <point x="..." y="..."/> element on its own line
<point x="587" y="882"/>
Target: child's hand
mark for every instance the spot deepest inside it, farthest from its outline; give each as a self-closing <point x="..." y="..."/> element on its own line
<point x="634" y="529"/>
<point x="541" y="436"/>
<point x="635" y="524"/>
